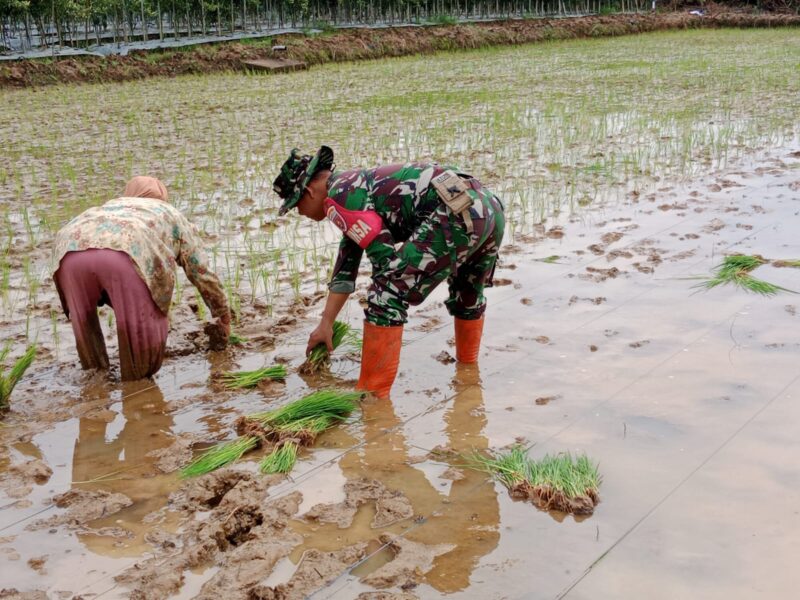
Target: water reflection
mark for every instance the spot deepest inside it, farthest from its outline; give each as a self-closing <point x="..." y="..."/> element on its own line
<point x="467" y="516"/>
<point x="112" y="453"/>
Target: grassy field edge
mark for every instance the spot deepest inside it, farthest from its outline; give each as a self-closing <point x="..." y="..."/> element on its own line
<point x="363" y="44"/>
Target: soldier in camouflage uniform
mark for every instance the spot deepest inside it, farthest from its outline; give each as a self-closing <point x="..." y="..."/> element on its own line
<point x="447" y="226"/>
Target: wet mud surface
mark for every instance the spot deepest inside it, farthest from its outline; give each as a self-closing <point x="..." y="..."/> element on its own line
<point x="687" y="399"/>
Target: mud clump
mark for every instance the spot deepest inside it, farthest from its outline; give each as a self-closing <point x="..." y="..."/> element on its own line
<point x="316" y="569"/>
<point x="410" y="563"/>
<point x="390" y="506"/>
<point x="37" y="564"/>
<point x="175" y="456"/>
<point x="547" y="498"/>
<point x="82" y="507"/>
<point x="244" y="535"/>
<point x="19" y="479"/>
<point x="224" y="488"/>
<point x="599" y="275"/>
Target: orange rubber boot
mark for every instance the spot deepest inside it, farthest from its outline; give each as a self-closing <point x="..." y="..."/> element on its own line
<point x="380" y="358"/>
<point x="468" y="339"/>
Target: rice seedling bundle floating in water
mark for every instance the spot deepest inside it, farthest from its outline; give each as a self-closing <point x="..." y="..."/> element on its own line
<point x="562" y="482"/>
<point x="286" y="429"/>
<point x="9" y="382"/>
<point x="736" y="269"/>
<point x="248" y="379"/>
<point x="319" y="358"/>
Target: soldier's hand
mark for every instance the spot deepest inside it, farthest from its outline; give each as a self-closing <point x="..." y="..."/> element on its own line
<point x="323" y="334"/>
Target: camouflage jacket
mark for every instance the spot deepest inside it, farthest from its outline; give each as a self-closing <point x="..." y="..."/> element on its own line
<point x="403" y="198"/>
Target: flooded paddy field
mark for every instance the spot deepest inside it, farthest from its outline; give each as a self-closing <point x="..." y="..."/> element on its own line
<point x="629" y="167"/>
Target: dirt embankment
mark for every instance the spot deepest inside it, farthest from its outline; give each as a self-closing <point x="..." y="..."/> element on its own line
<point x="361" y="44"/>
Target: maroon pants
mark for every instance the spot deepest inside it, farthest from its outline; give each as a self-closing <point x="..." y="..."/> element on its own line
<point x="91" y="278"/>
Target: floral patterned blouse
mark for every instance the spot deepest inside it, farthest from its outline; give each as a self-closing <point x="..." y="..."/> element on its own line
<point x="156" y="236"/>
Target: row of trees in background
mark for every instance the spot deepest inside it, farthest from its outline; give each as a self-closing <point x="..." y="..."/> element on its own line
<point x="41" y="23"/>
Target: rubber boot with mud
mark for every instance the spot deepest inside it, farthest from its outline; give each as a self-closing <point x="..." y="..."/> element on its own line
<point x="380" y="358"/>
<point x="468" y="339"/>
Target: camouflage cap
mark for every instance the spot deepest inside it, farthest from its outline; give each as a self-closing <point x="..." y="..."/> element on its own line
<point x="297" y="172"/>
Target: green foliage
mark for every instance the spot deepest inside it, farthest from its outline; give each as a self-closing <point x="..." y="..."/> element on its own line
<point x="8" y="382"/>
<point x="736" y="270"/>
<point x="573" y="476"/>
<point x="335" y="403"/>
<point x="248" y="379"/>
<point x="320" y="357"/>
<point x="281" y="459"/>
<point x="219" y="456"/>
<point x="297" y="423"/>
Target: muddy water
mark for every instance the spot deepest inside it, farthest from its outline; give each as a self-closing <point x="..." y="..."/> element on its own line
<point x="687" y="399"/>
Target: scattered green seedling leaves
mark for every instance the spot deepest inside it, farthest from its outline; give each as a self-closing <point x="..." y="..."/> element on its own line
<point x="736" y="269"/>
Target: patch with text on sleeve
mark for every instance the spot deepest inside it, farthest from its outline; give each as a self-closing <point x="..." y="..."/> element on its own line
<point x="361" y="226"/>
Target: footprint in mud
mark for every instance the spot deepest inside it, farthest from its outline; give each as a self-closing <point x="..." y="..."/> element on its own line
<point x="639" y="344"/>
<point x="500" y="282"/>
<point x="791" y="309"/>
<point x="526" y="301"/>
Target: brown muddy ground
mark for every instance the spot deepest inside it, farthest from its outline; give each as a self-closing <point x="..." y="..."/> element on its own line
<point x="687" y="399"/>
<point x="363" y="44"/>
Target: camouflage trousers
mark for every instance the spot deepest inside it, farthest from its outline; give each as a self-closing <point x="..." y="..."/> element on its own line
<point x="442" y="248"/>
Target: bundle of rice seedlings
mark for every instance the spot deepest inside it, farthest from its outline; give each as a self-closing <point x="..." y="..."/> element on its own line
<point x="334" y="404"/>
<point x="219" y="456"/>
<point x="295" y="424"/>
<point x="281" y="459"/>
<point x="558" y="482"/>
<point x="248" y="379"/>
<point x="735" y="269"/>
<point x="319" y="358"/>
<point x="9" y="382"/>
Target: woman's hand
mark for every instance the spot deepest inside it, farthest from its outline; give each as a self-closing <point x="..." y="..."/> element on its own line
<point x="323" y="334"/>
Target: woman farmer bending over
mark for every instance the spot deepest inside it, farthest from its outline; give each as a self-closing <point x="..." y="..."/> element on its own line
<point x="449" y="227"/>
<point x="123" y="254"/>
